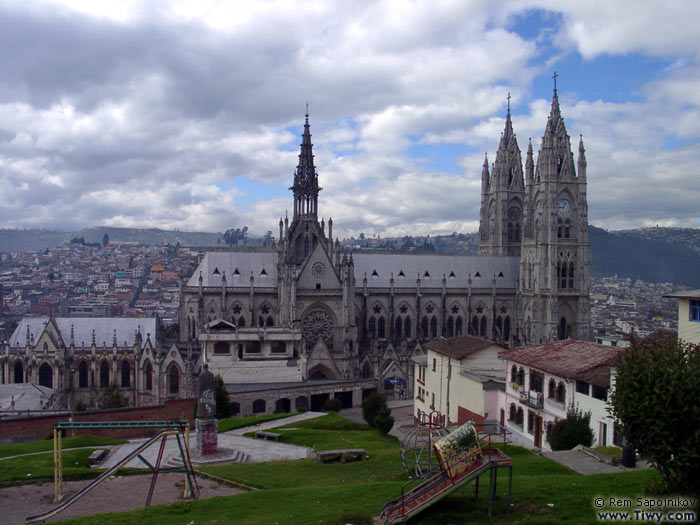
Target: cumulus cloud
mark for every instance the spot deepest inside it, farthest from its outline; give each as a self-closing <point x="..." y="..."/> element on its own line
<point x="155" y="114"/>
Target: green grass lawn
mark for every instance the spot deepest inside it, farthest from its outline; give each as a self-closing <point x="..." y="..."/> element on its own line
<point x="233" y="423"/>
<point x="303" y="491"/>
<point x="40" y="466"/>
<point x="16" y="449"/>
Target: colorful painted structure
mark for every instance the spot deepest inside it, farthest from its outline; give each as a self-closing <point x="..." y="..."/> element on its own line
<point x="177" y="428"/>
<point x="465" y="454"/>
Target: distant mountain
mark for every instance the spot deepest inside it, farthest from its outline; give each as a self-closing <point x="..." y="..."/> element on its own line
<point x="651" y="254"/>
<point x="23" y="240"/>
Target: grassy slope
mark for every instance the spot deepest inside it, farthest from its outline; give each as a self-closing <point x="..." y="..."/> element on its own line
<point x="304" y="491"/>
<point x="40" y="466"/>
<point x="16" y="449"/>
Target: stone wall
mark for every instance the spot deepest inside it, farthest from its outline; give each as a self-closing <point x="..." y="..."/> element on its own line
<point x="16" y="430"/>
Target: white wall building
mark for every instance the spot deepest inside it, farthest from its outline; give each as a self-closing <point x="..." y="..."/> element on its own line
<point x="469" y="369"/>
<point x="544" y="380"/>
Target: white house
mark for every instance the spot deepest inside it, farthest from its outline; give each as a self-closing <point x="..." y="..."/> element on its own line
<point x="688" y="315"/>
<point x="544" y="380"/>
<point x="461" y="376"/>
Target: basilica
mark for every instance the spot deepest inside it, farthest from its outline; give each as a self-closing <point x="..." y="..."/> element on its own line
<point x="306" y="311"/>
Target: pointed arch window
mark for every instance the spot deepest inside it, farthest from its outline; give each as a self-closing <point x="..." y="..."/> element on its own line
<point x="46" y="375"/>
<point x="18" y="372"/>
<point x="82" y="375"/>
<point x="424" y="324"/>
<point x="551" y="389"/>
<point x="458" y="326"/>
<point x="483" y="323"/>
<point x="148" y="375"/>
<point x="433" y="327"/>
<point x="173" y="380"/>
<point x="381" y="328"/>
<point x="506" y="328"/>
<point x="398" y="328"/>
<point x="571" y="275"/>
<point x="450" y="326"/>
<point x="241" y="322"/>
<point x="104" y="374"/>
<point x="407" y="328"/>
<point x="126" y="374"/>
<point x="372" y="328"/>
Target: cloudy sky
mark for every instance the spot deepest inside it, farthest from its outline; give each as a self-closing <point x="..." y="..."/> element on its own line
<point x="188" y="114"/>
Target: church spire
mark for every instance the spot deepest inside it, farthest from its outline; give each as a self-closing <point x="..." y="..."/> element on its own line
<point x="305" y="186"/>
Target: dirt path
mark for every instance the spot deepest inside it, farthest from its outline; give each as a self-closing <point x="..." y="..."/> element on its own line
<point x="120" y="493"/>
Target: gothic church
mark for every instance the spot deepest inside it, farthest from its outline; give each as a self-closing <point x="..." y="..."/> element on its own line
<point x="306" y="310"/>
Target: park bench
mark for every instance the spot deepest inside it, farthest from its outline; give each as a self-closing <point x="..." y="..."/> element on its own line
<point x="96" y="457"/>
<point x="341" y="455"/>
<point x="267" y="435"/>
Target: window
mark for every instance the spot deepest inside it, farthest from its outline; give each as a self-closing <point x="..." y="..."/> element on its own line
<point x="424" y="326"/>
<point x="530" y="422"/>
<point x="174" y="380"/>
<point x="46" y="375"/>
<point x="695" y="310"/>
<point x="513" y="414"/>
<point x="82" y="375"/>
<point x="552" y="389"/>
<point x="381" y="328"/>
<point x="372" y="328"/>
<point x="560" y="396"/>
<point x="252" y="347"/>
<point x="599" y="393"/>
<point x="18" y="373"/>
<point x="434" y="364"/>
<point x="458" y="326"/>
<point x="278" y="347"/>
<point x="104" y="374"/>
<point x="433" y="327"/>
<point x="221" y="347"/>
<point x="520" y="418"/>
<point x="126" y="375"/>
<point x="258" y="406"/>
<point x="398" y="325"/>
<point x="432" y="400"/>
<point x="407" y="328"/>
<point x="148" y="375"/>
<point x="582" y="387"/>
<point x="514" y="374"/>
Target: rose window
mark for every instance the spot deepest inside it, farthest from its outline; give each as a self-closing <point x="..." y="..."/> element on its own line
<point x="317" y="325"/>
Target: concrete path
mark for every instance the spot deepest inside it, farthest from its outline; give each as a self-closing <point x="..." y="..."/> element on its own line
<point x="583" y="463"/>
<point x="401" y="411"/>
<point x="274" y="424"/>
<point x="257" y="450"/>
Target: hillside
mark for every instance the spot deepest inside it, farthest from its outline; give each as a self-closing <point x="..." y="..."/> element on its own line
<point x="652" y="254"/>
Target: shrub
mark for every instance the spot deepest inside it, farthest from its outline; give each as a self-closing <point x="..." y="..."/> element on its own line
<point x="384" y="420"/>
<point x="111" y="397"/>
<point x="333" y="405"/>
<point x="80" y="405"/>
<point x="572" y="431"/>
<point x="223" y="403"/>
<point x="371" y="406"/>
<point x="655" y="401"/>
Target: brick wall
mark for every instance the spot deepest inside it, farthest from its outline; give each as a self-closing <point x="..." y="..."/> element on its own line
<point x="41" y="427"/>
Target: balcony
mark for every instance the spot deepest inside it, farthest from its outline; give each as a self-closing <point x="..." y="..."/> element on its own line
<point x="532" y="399"/>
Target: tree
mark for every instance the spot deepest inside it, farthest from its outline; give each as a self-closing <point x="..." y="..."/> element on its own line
<point x="575" y="430"/>
<point x="232" y="237"/>
<point x="655" y="401"/>
<point x="223" y="403"/>
<point x="111" y="397"/>
<point x="377" y="413"/>
<point x="333" y="404"/>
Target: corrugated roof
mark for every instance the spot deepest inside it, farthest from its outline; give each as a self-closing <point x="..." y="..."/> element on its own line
<point x="457" y="269"/>
<point x="570" y="358"/>
<point x="461" y="346"/>
<point x="83" y="327"/>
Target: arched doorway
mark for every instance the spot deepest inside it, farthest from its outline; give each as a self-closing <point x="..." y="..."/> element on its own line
<point x="174" y="380"/>
<point x="82" y="375"/>
<point x="301" y="403"/>
<point x="104" y="374"/>
<point x="283" y="405"/>
<point x="46" y="375"/>
<point x="259" y="406"/>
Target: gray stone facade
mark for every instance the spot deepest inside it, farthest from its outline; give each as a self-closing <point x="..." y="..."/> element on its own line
<point x="307" y="311"/>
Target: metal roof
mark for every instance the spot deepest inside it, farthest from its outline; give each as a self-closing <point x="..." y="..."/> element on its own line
<point x="238" y="267"/>
<point x="457" y="270"/>
<point x="104" y="329"/>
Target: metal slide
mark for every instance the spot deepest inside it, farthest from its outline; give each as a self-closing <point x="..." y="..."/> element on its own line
<point x="105" y="475"/>
<point x="428" y="493"/>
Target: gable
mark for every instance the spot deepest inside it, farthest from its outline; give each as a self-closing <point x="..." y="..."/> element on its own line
<point x="318" y="271"/>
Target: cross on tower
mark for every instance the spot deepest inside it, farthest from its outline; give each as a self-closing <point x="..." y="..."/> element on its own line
<point x="554" y="76"/>
<point x="508" y="97"/>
